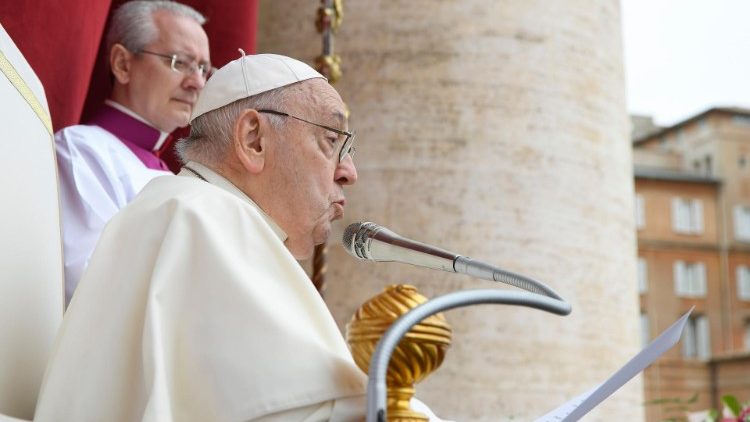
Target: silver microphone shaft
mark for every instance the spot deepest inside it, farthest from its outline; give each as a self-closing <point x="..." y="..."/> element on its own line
<point x="375" y="243"/>
<point x="372" y="242"/>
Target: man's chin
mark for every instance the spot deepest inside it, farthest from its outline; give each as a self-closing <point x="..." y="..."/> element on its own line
<point x="305" y="250"/>
<point x="183" y="121"/>
<point x="180" y="118"/>
<point x="323" y="236"/>
<point x="170" y="126"/>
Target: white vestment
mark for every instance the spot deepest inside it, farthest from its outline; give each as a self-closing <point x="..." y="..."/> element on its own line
<point x="192" y="309"/>
<point x="98" y="176"/>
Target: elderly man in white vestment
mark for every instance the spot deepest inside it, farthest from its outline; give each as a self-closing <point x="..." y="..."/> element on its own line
<point x="193" y="307"/>
<point x="159" y="61"/>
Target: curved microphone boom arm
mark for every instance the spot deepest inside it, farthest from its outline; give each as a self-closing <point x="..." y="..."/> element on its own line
<point x="376" y="384"/>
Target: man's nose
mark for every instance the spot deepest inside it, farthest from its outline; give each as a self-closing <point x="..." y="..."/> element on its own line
<point x="194" y="81"/>
<point x="346" y="172"/>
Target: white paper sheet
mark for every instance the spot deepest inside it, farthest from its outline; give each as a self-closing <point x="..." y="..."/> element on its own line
<point x="576" y="408"/>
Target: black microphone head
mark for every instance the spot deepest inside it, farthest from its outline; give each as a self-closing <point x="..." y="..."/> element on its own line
<point x="356" y="236"/>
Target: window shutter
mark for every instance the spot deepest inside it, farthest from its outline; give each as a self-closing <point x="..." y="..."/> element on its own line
<point x="645" y="331"/>
<point x="697" y="214"/>
<point x="737" y="221"/>
<point x="700" y="285"/>
<point x="741" y="222"/>
<point x="642" y="275"/>
<point x="640" y="212"/>
<point x="743" y="283"/>
<point x="678" y="272"/>
<point x="676" y="223"/>
<point x="703" y="337"/>
<point x="688" y="339"/>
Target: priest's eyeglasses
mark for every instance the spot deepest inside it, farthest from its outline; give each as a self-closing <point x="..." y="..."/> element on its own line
<point x="347" y="147"/>
<point x="184" y="64"/>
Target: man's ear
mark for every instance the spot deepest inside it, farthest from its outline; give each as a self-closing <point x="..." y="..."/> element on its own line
<point x="119" y="62"/>
<point x="250" y="140"/>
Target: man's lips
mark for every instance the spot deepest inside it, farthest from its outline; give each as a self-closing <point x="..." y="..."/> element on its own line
<point x="338" y="209"/>
<point x="188" y="102"/>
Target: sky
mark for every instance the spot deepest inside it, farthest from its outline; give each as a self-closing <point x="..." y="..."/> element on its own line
<point x="685" y="56"/>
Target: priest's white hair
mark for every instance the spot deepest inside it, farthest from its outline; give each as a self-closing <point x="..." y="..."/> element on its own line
<point x="133" y="24"/>
<point x="211" y="133"/>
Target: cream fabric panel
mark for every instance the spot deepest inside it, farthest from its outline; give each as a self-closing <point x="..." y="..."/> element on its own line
<point x="31" y="281"/>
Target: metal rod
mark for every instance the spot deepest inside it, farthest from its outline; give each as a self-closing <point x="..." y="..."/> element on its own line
<point x="376" y="385"/>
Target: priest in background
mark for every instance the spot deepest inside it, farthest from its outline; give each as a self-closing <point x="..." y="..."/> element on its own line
<point x="159" y="60"/>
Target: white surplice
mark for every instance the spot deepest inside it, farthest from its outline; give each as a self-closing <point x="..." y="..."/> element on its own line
<point x="99" y="175"/>
<point x="192" y="309"/>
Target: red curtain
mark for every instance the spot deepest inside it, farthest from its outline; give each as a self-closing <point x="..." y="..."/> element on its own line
<point x="62" y="40"/>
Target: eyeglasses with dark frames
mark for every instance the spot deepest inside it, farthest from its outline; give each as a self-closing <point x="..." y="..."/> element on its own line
<point x="347" y="148"/>
<point x="183" y="64"/>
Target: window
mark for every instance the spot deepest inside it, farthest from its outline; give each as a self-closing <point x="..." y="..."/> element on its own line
<point x="743" y="282"/>
<point x="680" y="138"/>
<point x="709" y="166"/>
<point x="742" y="223"/>
<point x="640" y="211"/>
<point x="687" y="215"/>
<point x="696" y="340"/>
<point x="645" y="334"/>
<point x="741" y="120"/>
<point x="642" y="276"/>
<point x="690" y="279"/>
<point x="747" y="334"/>
<point x="703" y="125"/>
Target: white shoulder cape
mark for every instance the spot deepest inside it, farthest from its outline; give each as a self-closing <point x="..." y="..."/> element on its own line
<point x="192" y="309"/>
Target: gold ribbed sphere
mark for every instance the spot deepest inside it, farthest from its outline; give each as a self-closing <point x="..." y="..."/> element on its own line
<point x="419" y="353"/>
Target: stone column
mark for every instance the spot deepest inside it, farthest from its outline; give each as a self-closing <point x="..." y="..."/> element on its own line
<point x="497" y="130"/>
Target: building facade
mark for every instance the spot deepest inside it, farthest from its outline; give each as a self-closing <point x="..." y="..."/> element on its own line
<point x="692" y="184"/>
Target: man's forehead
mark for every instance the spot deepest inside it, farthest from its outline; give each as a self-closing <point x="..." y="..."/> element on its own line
<point x="330" y="104"/>
<point x="338" y="116"/>
<point x="333" y="117"/>
<point x="181" y="34"/>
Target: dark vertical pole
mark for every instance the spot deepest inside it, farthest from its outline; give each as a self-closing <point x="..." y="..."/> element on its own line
<point x="330" y="15"/>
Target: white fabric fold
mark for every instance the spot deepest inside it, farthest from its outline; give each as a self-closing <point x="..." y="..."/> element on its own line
<point x="192" y="309"/>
